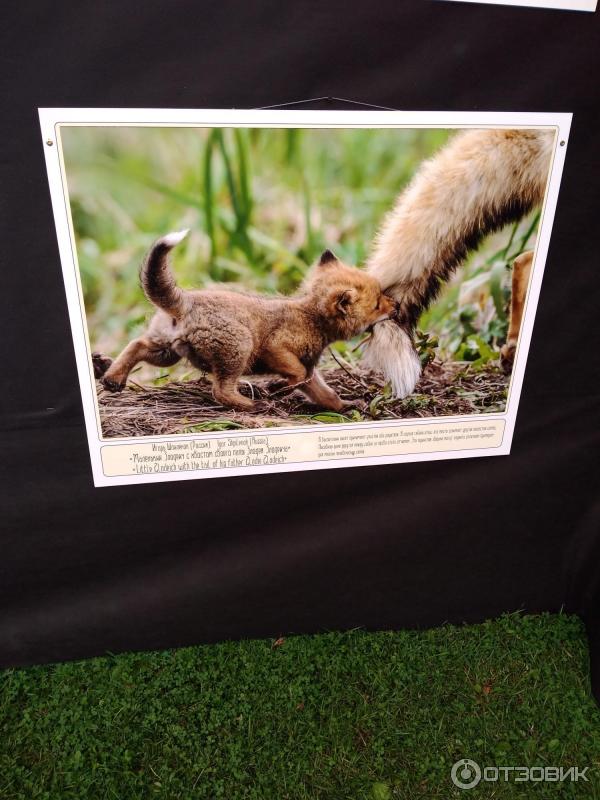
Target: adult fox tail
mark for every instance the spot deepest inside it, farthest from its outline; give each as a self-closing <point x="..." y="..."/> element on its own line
<point x="477" y="183"/>
<point x="156" y="276"/>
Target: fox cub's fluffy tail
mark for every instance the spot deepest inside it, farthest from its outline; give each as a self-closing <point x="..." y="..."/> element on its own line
<point x="480" y="181"/>
<point x="156" y="276"/>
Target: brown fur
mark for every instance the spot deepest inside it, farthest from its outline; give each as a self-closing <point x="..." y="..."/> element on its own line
<point x="233" y="333"/>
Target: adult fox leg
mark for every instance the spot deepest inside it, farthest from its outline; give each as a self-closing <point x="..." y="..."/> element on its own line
<point x="520" y="281"/>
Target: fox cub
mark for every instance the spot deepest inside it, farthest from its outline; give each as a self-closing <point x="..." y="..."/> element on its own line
<point x="231" y="333"/>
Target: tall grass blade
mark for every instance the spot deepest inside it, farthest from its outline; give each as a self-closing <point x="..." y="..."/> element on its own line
<point x="209" y="200"/>
<point x="245" y="191"/>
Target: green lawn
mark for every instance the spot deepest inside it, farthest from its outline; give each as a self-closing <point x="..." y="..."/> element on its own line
<point x="337" y="716"/>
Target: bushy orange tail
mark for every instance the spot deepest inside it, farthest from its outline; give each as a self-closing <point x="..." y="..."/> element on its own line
<point x="477" y="183"/>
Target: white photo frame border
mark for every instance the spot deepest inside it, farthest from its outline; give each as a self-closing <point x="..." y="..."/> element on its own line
<point x="51" y="120"/>
<point x="557" y="5"/>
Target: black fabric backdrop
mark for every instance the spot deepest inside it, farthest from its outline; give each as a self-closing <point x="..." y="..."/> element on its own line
<point x="87" y="570"/>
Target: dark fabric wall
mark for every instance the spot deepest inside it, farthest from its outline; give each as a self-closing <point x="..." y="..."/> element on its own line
<point x="86" y="570"/>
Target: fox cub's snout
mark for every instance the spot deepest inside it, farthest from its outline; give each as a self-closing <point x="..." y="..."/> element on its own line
<point x="347" y="297"/>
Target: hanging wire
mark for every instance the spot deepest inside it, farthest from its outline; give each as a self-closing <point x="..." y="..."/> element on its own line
<point x="327" y="99"/>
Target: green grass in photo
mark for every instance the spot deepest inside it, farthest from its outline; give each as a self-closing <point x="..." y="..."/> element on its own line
<point x="261" y="204"/>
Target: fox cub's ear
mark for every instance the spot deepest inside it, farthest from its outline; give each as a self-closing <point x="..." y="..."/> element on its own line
<point x="327" y="257"/>
<point x="345" y="300"/>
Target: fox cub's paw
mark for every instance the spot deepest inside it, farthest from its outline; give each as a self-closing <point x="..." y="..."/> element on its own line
<point x="354" y="405"/>
<point x="101" y="364"/>
<point x="111" y="385"/>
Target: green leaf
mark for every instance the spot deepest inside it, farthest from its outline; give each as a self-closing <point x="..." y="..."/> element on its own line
<point x="214" y="425"/>
<point x="330" y="416"/>
<point x="381" y="791"/>
<point x="553" y="744"/>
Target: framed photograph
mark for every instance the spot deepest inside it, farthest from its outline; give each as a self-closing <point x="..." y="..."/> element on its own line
<point x="267" y="290"/>
<point x="560" y="5"/>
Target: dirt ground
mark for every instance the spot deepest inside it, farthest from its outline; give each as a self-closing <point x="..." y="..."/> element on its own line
<point x="445" y="388"/>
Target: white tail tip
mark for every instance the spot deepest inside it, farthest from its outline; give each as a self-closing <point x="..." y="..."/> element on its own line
<point x="391" y="351"/>
<point x="171" y="239"/>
